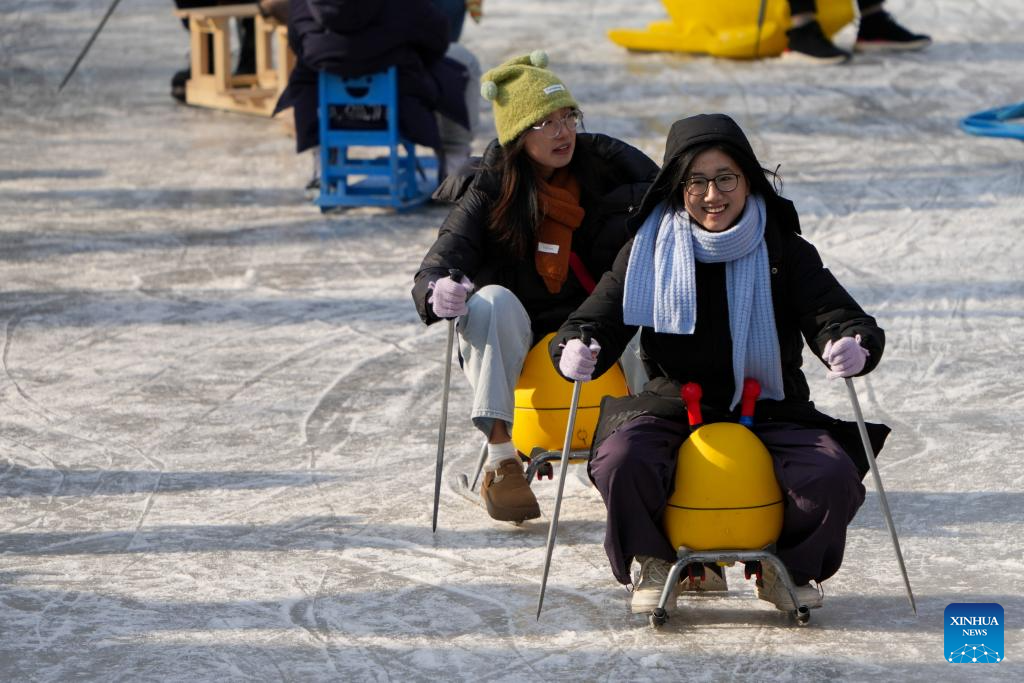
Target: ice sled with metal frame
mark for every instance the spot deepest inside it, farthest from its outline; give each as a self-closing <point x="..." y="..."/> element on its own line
<point x="212" y="84"/>
<point x="726" y="506"/>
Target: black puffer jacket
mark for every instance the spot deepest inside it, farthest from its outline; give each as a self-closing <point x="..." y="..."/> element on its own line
<point x="355" y="38"/>
<point x="623" y="174"/>
<point x="807" y="301"/>
<point x="352" y="39"/>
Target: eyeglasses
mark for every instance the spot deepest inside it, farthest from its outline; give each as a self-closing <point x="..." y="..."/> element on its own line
<point x="551" y="128"/>
<point x="698" y="185"/>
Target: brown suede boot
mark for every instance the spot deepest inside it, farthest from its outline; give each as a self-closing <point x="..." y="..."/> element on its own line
<point x="507" y="494"/>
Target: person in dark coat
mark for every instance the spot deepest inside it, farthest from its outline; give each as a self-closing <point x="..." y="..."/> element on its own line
<point x="353" y="39"/>
<point x="458" y="138"/>
<point x="535" y="223"/>
<point x="722" y="287"/>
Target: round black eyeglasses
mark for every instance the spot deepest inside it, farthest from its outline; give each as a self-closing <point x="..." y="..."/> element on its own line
<point x="698" y="185"/>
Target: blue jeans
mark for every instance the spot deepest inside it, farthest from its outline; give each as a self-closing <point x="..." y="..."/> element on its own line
<point x="494" y="338"/>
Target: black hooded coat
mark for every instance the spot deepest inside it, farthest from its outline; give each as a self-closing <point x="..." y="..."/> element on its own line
<point x="807" y="302"/>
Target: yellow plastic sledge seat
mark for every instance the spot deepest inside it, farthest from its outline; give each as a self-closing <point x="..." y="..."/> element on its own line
<point x="542" y="400"/>
<point x="725" y="496"/>
<point x="727" y="29"/>
<point x="726" y="506"/>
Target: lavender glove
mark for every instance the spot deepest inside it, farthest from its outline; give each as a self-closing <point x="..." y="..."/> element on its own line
<point x="578" y="361"/>
<point x="448" y="297"/>
<point x="845" y="358"/>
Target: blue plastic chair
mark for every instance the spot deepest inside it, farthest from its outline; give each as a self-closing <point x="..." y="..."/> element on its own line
<point x="362" y="112"/>
<point x="996" y="122"/>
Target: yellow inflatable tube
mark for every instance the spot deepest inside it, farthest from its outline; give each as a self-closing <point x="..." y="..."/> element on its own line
<point x="542" y="403"/>
<point x="727" y="28"/>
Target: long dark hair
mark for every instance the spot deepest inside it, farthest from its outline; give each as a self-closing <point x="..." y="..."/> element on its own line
<point x="516" y="215"/>
<point x="762" y="181"/>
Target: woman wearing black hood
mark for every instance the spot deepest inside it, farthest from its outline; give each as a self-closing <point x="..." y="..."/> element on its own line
<point x="722" y="287"/>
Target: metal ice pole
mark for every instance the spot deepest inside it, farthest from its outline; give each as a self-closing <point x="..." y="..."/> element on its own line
<point x="585" y="332"/>
<point x="760" y="25"/>
<point x="833" y="331"/>
<point x="92" y="39"/>
<point x="455" y="275"/>
<point x="862" y="428"/>
<point x="479" y="465"/>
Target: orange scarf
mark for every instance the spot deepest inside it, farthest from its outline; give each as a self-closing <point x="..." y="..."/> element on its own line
<point x="560" y="203"/>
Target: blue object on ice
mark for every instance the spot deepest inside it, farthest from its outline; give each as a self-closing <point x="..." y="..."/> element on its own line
<point x="362" y="112"/>
<point x="996" y="122"/>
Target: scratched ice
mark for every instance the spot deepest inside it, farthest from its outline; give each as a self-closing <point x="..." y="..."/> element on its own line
<point x="219" y="409"/>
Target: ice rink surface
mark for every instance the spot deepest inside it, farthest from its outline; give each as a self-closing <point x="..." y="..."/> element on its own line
<point x="218" y="409"/>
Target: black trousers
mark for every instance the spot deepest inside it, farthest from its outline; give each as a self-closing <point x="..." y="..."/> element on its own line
<point x="634" y="469"/>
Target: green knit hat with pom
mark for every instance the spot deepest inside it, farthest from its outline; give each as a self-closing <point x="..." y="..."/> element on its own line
<point x="523" y="92"/>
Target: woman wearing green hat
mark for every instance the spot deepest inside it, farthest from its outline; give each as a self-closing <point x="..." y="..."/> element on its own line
<point x="536" y="222"/>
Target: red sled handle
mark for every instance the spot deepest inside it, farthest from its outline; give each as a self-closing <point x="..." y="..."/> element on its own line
<point x="751" y="390"/>
<point x="691" y="393"/>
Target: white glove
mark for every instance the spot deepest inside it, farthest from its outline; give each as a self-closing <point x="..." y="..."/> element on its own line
<point x="845" y="358"/>
<point x="578" y="361"/>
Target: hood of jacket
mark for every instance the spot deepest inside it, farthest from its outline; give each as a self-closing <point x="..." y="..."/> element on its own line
<point x="345" y="16"/>
<point x="698" y="130"/>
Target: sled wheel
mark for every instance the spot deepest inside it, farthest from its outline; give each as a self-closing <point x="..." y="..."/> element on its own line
<point x="545" y="470"/>
<point x="658" y="617"/>
<point x="695" y="571"/>
<point x="752" y="568"/>
<point x="802" y="615"/>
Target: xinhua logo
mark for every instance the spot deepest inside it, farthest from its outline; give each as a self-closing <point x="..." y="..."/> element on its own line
<point x="974" y="633"/>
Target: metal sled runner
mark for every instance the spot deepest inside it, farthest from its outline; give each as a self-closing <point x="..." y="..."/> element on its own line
<point x="752" y="560"/>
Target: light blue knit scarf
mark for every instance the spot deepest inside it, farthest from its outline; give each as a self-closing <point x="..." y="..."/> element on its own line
<point x="661" y="287"/>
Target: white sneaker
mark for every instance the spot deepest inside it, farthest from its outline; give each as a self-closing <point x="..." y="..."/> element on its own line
<point x="648" y="584"/>
<point x="713" y="582"/>
<point x="772" y="588"/>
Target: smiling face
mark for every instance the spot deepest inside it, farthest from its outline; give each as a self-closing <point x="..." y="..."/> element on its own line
<point x="716" y="210"/>
<point x="551" y="153"/>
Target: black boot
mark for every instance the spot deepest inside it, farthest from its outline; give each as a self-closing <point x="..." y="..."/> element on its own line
<point x="879" y="32"/>
<point x="178" y="84"/>
<point x="808" y="43"/>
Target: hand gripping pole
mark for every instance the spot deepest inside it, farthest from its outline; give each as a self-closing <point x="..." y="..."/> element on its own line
<point x="585" y="334"/>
